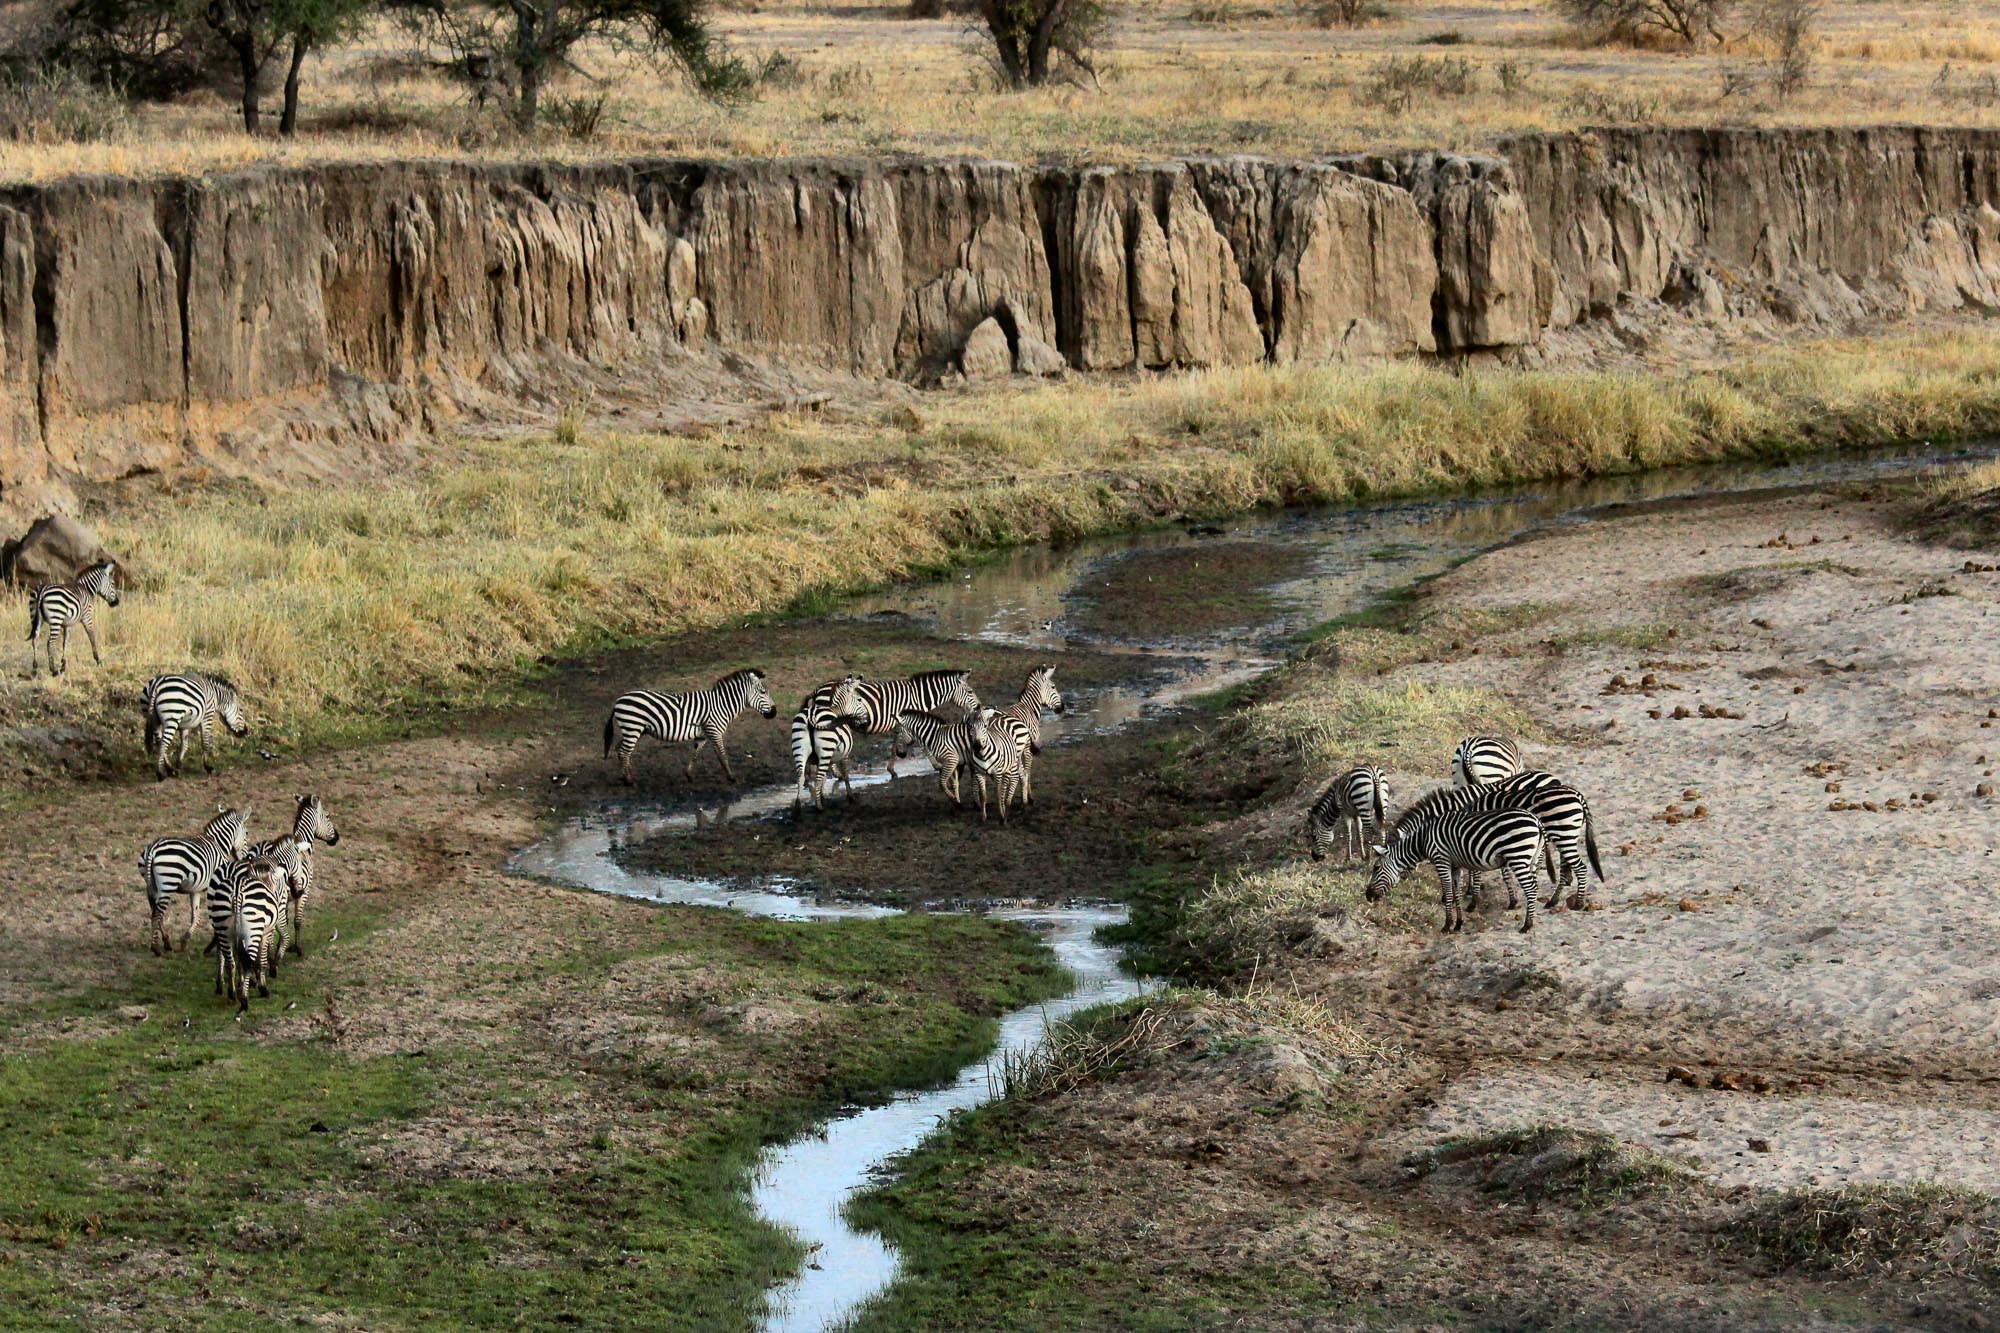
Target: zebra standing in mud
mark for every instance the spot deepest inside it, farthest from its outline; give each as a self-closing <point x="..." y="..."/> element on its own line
<point x="822" y="743"/>
<point x="997" y="753"/>
<point x="189" y="865"/>
<point x="1355" y="805"/>
<point x="876" y="703"/>
<point x="1465" y="843"/>
<point x="1565" y="814"/>
<point x="701" y="716"/>
<point x="188" y="702"/>
<point x="1482" y="759"/>
<point x="294" y="854"/>
<point x="948" y="744"/>
<point x="247" y="907"/>
<point x="54" y="607"/>
<point x="1024" y="716"/>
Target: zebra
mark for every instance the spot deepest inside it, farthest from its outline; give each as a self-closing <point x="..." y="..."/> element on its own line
<point x="828" y="742"/>
<point x="189" y="865"/>
<point x="188" y="702"/>
<point x="875" y="703"/>
<point x="1024" y="715"/>
<point x="250" y="927"/>
<point x="997" y="753"/>
<point x="948" y="744"/>
<point x="55" y="606"/>
<point x="1466" y="842"/>
<point x="294" y="853"/>
<point x="1565" y="816"/>
<point x="701" y="716"/>
<point x="1355" y="805"/>
<point x="1483" y="759"/>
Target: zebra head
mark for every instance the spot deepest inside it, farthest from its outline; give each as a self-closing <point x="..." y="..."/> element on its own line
<point x="313" y="823"/>
<point x="1042" y="689"/>
<point x="101" y="579"/>
<point x="962" y="695"/>
<point x="1319" y="828"/>
<point x="1392" y="863"/>
<point x="848" y="700"/>
<point x="904" y="744"/>
<point x="229" y="705"/>
<point x="758" y="696"/>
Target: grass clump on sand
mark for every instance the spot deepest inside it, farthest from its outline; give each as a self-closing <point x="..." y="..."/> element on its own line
<point x="1961" y="508"/>
<point x="1328" y="721"/>
<point x="335" y="605"/>
<point x="1544" y="1162"/>
<point x="1923" y="1230"/>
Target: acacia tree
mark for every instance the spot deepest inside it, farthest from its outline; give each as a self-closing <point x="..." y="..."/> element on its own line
<point x="530" y="41"/>
<point x="1688" y="20"/>
<point x="1033" y="40"/>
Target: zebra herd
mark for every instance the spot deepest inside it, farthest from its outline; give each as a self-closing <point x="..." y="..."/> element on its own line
<point x="996" y="745"/>
<point x="1497" y="815"/>
<point x="256" y="893"/>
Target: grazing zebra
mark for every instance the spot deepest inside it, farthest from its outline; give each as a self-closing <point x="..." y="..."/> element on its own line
<point x="181" y="704"/>
<point x="948" y="744"/>
<point x="1483" y="759"/>
<point x="1025" y="715"/>
<point x="1355" y="804"/>
<point x="53" y="607"/>
<point x="189" y="865"/>
<point x="250" y="927"/>
<point x="1565" y="816"/>
<point x="1465" y="843"/>
<point x="701" y="716"/>
<point x="997" y="753"/>
<point x="294" y="853"/>
<point x="875" y="703"/>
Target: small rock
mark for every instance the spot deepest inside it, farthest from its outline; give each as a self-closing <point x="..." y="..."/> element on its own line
<point x="986" y="355"/>
<point x="1726" y="1082"/>
<point x="1983" y="789"/>
<point x="1758" y="1145"/>
<point x="1689" y="905"/>
<point x="1681" y="1074"/>
<point x="134" y="1013"/>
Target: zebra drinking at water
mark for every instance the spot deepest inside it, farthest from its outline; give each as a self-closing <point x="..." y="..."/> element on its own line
<point x="294" y="853"/>
<point x="1024" y="715"/>
<point x="1355" y="805"/>
<point x="54" y="607"/>
<point x="188" y="702"/>
<point x="1483" y="759"/>
<point x="1565" y="816"/>
<point x="190" y="866"/>
<point x="948" y="744"/>
<point x="701" y="716"/>
<point x="875" y="703"/>
<point x="1465" y="843"/>
<point x="998" y="749"/>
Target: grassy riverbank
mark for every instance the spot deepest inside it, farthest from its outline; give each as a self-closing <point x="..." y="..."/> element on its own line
<point x="342" y="611"/>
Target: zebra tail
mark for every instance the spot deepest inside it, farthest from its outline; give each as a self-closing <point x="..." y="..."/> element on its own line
<point x="1590" y="844"/>
<point x="607" y="737"/>
<point x="1381" y="812"/>
<point x="34" y="617"/>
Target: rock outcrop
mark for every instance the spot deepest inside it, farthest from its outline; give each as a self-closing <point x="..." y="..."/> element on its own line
<point x="292" y="321"/>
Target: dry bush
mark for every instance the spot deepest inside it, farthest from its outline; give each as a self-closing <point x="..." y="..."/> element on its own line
<point x="1922" y="1230"/>
<point x="58" y="105"/>
<point x="1394" y="84"/>
<point x="1342" y="13"/>
<point x="1792" y="29"/>
<point x="1685" y="22"/>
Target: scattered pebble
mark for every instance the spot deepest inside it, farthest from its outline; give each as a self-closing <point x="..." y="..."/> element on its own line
<point x="1682" y="1074"/>
<point x="1758" y="1145"/>
<point x="1689" y="905"/>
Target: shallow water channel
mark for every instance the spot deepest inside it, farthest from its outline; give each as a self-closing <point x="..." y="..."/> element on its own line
<point x="1351" y="557"/>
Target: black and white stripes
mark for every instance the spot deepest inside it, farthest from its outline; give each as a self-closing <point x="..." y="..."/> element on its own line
<point x="189" y="866"/>
<point x="54" y="607"/>
<point x="1460" y="845"/>
<point x="1483" y="759"/>
<point x="184" y="704"/>
<point x="1354" y="805"/>
<point x="701" y="716"/>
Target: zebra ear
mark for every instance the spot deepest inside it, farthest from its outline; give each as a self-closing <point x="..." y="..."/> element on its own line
<point x="1380" y="849"/>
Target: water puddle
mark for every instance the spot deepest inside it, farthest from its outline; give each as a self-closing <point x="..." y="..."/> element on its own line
<point x="1353" y="557"/>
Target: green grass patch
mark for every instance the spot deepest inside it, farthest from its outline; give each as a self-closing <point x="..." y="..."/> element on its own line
<point x="1922" y="1231"/>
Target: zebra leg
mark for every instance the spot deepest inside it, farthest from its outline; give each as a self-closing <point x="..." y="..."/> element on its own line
<point x="847" y="780"/>
<point x="50" y="644"/>
<point x="627" y="746"/>
<point x="188" y="934"/>
<point x="687" y="774"/>
<point x="159" y="928"/>
<point x="298" y="914"/>
<point x="90" y="632"/>
<point x="181" y="757"/>
<point x="1530" y="888"/>
<point x="722" y="753"/>
<point x="1027" y="780"/>
<point x="207" y="732"/>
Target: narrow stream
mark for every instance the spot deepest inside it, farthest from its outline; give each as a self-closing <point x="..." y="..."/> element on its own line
<point x="1355" y="555"/>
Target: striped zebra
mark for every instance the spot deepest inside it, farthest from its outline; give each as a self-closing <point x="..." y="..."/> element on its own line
<point x="189" y="865"/>
<point x="294" y="854"/>
<point x="828" y="742"/>
<point x="1354" y="805"/>
<point x="182" y="704"/>
<point x="247" y="907"/>
<point x="1483" y="759"/>
<point x="54" y="607"/>
<point x="875" y="703"/>
<point x="948" y="744"/>
<point x="1464" y="843"/>
<point x="997" y="753"/>
<point x="701" y="716"/>
<point x="1038" y="694"/>
<point x="1565" y="816"/>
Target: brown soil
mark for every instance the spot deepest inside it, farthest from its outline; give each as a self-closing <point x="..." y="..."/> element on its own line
<point x="1200" y="591"/>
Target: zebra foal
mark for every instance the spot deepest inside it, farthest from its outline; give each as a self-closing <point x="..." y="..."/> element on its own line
<point x="998" y="754"/>
<point x="247" y="907"/>
<point x="949" y="746"/>
<point x="1354" y="805"/>
<point x="185" y="703"/>
<point x="1461" y="845"/>
<point x="189" y="865"/>
<point x="875" y="704"/>
<point x="1024" y="717"/>
<point x="701" y="716"/>
<point x="294" y="855"/>
<point x="54" y="607"/>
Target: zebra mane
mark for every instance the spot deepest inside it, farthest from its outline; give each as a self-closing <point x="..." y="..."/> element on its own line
<point x="1419" y="809"/>
<point x="939" y="675"/>
<point x="738" y="674"/>
<point x="221" y="682"/>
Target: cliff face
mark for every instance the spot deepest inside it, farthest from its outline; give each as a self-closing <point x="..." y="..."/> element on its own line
<point x="300" y="316"/>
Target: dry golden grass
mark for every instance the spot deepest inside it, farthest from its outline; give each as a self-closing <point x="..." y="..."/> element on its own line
<point x="334" y="605"/>
<point x="1251" y="78"/>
